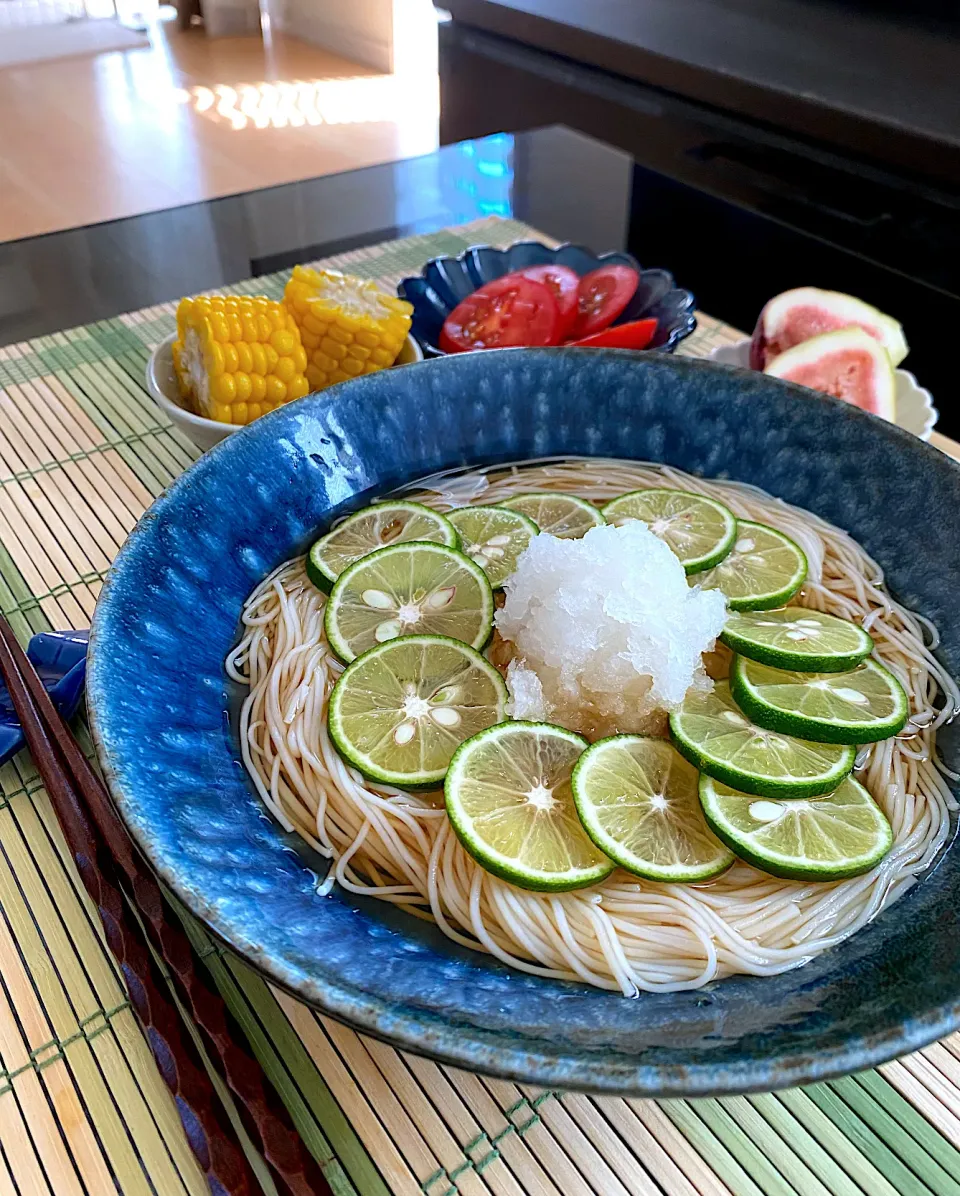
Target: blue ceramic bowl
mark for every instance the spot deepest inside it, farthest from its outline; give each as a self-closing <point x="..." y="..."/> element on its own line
<point x="446" y="281"/>
<point x="60" y="659"/>
<point x="159" y="704"/>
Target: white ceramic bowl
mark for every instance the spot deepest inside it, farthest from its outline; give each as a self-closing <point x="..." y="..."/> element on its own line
<point x="915" y="410"/>
<point x="205" y="433"/>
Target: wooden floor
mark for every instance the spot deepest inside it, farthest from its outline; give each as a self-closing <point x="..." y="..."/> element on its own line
<point x="87" y="139"/>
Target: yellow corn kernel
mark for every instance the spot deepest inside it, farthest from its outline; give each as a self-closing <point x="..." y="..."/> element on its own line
<point x="342" y="336"/>
<point x="223" y="388"/>
<point x="276" y="391"/>
<point x="259" y="358"/>
<point x="237" y="357"/>
<point x="348" y="326"/>
<point x="284" y="342"/>
<point x="244" y="388"/>
<point x="220" y="326"/>
<point x="213" y="357"/>
<point x="285" y="369"/>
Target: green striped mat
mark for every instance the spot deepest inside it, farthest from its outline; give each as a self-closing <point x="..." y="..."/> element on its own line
<point x="83" y="450"/>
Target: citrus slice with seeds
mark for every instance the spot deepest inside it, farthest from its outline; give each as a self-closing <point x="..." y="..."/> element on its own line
<point x="408" y="589"/>
<point x="715" y="737"/>
<point x="699" y="530"/>
<point x="510" y="802"/>
<point x="797" y="638"/>
<point x="763" y="570"/>
<point x="863" y="705"/>
<point x="374" y="527"/>
<point x="638" y="801"/>
<point x="493" y="538"/>
<point x="840" y="834"/>
<point x="562" y="515"/>
<point x="400" y="711"/>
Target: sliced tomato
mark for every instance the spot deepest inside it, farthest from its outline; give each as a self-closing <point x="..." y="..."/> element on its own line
<point x="635" y="335"/>
<point x="601" y="297"/>
<point x="564" y="283"/>
<point x="511" y="310"/>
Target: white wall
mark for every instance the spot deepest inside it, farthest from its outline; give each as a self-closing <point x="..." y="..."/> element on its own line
<point x="388" y="35"/>
<point x="358" y="29"/>
<point x="231" y="18"/>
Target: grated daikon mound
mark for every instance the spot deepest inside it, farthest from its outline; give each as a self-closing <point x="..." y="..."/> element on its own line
<point x="606" y="635"/>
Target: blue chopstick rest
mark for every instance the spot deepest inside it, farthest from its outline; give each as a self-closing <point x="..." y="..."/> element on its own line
<point x="60" y="659"/>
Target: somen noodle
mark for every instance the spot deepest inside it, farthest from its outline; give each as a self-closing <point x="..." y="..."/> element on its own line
<point x="624" y="933"/>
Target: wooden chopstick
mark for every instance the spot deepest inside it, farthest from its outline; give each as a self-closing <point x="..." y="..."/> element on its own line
<point x="208" y="1130"/>
<point x="104" y="853"/>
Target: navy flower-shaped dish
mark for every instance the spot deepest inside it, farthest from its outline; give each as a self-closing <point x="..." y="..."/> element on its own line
<point x="161" y="708"/>
<point x="446" y="281"/>
<point x="60" y="659"/>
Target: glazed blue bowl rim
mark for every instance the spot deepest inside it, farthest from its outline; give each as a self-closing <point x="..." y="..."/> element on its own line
<point x="462" y="1044"/>
<point x="686" y="307"/>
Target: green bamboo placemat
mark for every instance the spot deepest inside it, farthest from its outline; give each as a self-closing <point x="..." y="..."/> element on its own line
<point x="83" y="450"/>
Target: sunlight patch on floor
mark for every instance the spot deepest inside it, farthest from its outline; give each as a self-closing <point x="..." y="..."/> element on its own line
<point x="298" y="102"/>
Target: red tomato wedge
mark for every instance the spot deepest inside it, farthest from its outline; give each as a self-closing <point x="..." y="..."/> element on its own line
<point x="635" y="335"/>
<point x="512" y="310"/>
<point x="564" y="285"/>
<point x="602" y="296"/>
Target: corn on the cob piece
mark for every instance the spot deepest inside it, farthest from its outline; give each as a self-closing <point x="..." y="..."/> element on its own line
<point x="348" y="326"/>
<point x="238" y="357"/>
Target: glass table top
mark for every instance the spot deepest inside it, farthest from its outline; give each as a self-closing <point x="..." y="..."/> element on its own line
<point x="66" y="278"/>
<point x="570" y="186"/>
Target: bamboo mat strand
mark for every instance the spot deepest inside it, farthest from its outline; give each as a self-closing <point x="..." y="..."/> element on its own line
<point x="83" y="1111"/>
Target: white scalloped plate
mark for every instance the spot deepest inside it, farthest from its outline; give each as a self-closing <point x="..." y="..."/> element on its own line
<point x="915" y="410"/>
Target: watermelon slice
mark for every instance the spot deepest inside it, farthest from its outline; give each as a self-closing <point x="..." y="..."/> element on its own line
<point x="796" y="316"/>
<point x="850" y="365"/>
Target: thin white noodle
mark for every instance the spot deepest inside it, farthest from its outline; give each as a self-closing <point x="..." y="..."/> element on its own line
<point x="623" y="934"/>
